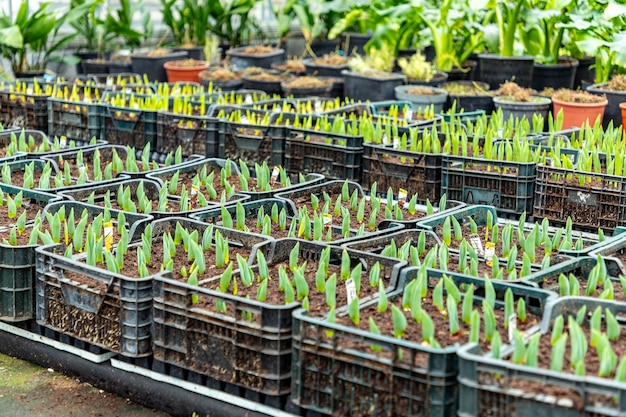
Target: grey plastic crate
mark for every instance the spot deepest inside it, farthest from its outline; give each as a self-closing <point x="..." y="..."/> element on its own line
<point x="485" y="383"/>
<point x="330" y="379"/>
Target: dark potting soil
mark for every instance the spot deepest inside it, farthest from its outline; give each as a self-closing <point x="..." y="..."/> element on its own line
<point x="337" y="220"/>
<point x="592" y="367"/>
<point x="414" y="331"/>
<point x="31" y="208"/>
<point x="317" y="300"/>
<point x="553" y="284"/>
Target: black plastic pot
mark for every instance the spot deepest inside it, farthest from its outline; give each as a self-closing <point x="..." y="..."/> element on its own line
<point x="612" y="112"/>
<point x="323" y="70"/>
<point x="470" y="102"/>
<point x="84" y="56"/>
<point x="194" y="52"/>
<point x="120" y="67"/>
<point x="95" y="66"/>
<point x="464" y="73"/>
<point x="355" y="42"/>
<point x="270" y="87"/>
<point x="241" y="60"/>
<point x="362" y="87"/>
<point x="323" y="91"/>
<point x="439" y="78"/>
<point x="320" y="48"/>
<point x="152" y="66"/>
<point x="496" y="69"/>
<point x="560" y="75"/>
<point x="584" y="72"/>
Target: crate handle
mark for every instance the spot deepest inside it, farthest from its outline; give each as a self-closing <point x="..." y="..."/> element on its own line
<point x="81" y="296"/>
<point x="125" y="124"/>
<point x="249" y="142"/>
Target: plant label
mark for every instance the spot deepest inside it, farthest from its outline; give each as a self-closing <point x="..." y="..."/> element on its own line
<point x="82" y="170"/>
<point x="244" y="120"/>
<point x="477" y="244"/>
<point x="385" y="139"/>
<point x="328" y="220"/>
<point x="318" y="106"/>
<point x="274" y="177"/>
<point x="279" y="109"/>
<point x="396" y="142"/>
<point x="248" y="99"/>
<point x="408" y="114"/>
<point x="195" y="189"/>
<point x="512" y="326"/>
<point x="63" y="142"/>
<point x="402" y="194"/>
<point x="350" y="290"/>
<point x="108" y="235"/>
<point x="490" y="250"/>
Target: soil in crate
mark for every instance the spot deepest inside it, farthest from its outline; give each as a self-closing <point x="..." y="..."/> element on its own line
<point x="106" y="158"/>
<point x="552" y="284"/>
<point x="413" y="331"/>
<point x="23" y="114"/>
<point x="481" y="232"/>
<point x="317" y="300"/>
<point x="305" y="201"/>
<point x="562" y="393"/>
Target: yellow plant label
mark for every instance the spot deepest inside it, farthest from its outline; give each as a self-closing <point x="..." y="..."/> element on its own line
<point x="108" y="235"/>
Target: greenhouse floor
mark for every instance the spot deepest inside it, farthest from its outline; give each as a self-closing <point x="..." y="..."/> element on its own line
<point x="30" y="390"/>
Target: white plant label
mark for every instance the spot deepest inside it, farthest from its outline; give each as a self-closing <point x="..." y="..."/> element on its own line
<point x="385" y="139"/>
<point x="350" y="290"/>
<point x="408" y="114"/>
<point x="82" y="169"/>
<point x="318" y="106"/>
<point x="396" y="143"/>
<point x="279" y="108"/>
<point x="248" y="99"/>
<point x="512" y="326"/>
<point x="63" y="142"/>
<point x="243" y="120"/>
<point x="275" y="174"/>
<point x="402" y="195"/>
<point x="328" y="220"/>
<point x="195" y="189"/>
<point x="490" y="250"/>
<point x="477" y="244"/>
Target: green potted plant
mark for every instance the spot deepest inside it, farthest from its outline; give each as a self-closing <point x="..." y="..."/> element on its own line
<point x="508" y="63"/>
<point x="30" y="56"/>
<point x="452" y="38"/>
<point x="188" y="21"/>
<point x="420" y="72"/>
<point x="370" y="76"/>
<point x="542" y="36"/>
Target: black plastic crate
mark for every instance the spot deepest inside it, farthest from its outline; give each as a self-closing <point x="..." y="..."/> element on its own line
<point x="558" y="196"/>
<point x="332" y="155"/>
<point x="76" y="120"/>
<point x="250" y="142"/>
<point x="130" y="127"/>
<point x="417" y="172"/>
<point x="486" y="383"/>
<point x="194" y="134"/>
<point x="17" y="267"/>
<point x="25" y="110"/>
<point x="253" y="353"/>
<point x="354" y="381"/>
<point x="508" y="186"/>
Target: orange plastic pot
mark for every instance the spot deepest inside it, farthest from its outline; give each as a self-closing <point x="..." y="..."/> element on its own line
<point x="182" y="70"/>
<point x="578" y="114"/>
<point x="622" y="106"/>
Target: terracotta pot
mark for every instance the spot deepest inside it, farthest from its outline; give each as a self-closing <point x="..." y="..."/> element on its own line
<point x="622" y="106"/>
<point x="577" y="114"/>
<point x="176" y="72"/>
